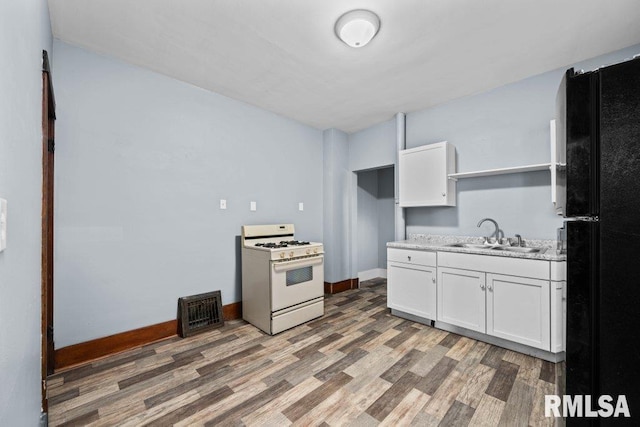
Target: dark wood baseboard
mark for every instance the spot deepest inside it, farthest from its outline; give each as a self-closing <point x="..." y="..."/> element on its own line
<point x="344" y="285"/>
<point x="88" y="351"/>
<point x="232" y="311"/>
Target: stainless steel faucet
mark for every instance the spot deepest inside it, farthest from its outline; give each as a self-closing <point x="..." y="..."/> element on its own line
<point x="496" y="233"/>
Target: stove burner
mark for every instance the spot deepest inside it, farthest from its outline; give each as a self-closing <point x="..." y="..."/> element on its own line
<point x="271" y="245"/>
<point x="294" y="243"/>
<point x="282" y="244"/>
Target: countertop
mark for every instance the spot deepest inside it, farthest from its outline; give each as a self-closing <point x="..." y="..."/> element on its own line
<point x="440" y="243"/>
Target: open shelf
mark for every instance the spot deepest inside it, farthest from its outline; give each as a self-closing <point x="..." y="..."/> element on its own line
<point x="500" y="171"/>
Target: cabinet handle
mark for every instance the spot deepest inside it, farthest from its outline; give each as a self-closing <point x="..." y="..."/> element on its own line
<point x="444" y="194"/>
<point x="490" y="287"/>
<point x="409" y="258"/>
<point x="433" y="280"/>
<point x="482" y="286"/>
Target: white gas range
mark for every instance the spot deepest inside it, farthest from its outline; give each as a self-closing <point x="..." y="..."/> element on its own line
<point x="282" y="278"/>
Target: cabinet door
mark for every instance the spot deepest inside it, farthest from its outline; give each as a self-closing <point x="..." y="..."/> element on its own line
<point x="518" y="309"/>
<point x="558" y="316"/>
<point x="423" y="176"/>
<point x="461" y="298"/>
<point x="412" y="289"/>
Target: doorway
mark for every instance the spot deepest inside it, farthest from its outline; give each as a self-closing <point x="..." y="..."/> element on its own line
<point x="48" y="148"/>
<point x="375" y="221"/>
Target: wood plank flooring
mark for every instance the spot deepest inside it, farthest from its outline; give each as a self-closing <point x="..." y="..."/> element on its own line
<point x="357" y="365"/>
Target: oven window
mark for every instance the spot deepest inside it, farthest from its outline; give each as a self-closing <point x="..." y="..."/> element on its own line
<point x="299" y="275"/>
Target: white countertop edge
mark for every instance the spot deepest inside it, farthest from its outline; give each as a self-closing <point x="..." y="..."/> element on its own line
<point x="435" y="245"/>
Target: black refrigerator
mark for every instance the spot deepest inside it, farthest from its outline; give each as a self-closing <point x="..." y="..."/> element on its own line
<point x="598" y="119"/>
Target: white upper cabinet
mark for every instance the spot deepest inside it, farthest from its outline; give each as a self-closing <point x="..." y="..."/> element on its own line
<point x="423" y="174"/>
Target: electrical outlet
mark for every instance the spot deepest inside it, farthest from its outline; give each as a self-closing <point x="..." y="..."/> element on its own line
<point x="300" y="206"/>
<point x="223" y="204"/>
<point x="3" y="224"/>
<point x="253" y="206"/>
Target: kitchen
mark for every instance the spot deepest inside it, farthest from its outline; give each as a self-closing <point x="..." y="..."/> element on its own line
<point x="137" y="181"/>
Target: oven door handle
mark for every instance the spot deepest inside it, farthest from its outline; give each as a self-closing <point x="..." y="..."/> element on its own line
<point x="284" y="265"/>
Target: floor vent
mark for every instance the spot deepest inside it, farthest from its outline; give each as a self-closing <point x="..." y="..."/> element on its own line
<point x="199" y="313"/>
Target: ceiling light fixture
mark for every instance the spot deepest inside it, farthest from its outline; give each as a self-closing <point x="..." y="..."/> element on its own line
<point x="357" y="27"/>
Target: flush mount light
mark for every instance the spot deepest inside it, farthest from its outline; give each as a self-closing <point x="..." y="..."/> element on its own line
<point x="357" y="27"/>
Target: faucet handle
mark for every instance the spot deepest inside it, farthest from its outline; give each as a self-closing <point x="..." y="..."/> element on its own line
<point x="520" y="241"/>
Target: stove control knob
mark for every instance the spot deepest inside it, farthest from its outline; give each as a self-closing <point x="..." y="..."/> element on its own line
<point x="281" y="254"/>
<point x="291" y="254"/>
<point x="315" y="250"/>
<point x="308" y="251"/>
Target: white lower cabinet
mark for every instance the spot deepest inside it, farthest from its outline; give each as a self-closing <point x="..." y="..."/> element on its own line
<point x="414" y="282"/>
<point x="518" y="309"/>
<point x="512" y="299"/>
<point x="513" y="308"/>
<point x="461" y="300"/>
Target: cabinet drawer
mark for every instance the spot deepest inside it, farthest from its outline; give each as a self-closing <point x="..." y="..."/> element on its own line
<point x="534" y="268"/>
<point x="411" y="256"/>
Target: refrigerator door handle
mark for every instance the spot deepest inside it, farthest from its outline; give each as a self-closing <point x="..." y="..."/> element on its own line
<point x="587" y="218"/>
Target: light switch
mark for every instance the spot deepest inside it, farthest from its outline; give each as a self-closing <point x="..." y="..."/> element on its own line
<point x="223" y="204"/>
<point x="3" y="224"/>
<point x="253" y="206"/>
<point x="300" y="206"/>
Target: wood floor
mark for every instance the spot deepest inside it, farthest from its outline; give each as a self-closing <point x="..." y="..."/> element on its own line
<point x="357" y="365"/>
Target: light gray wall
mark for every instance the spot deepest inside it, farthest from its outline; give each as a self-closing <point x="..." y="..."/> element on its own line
<point x="375" y="218"/>
<point x="337" y="206"/>
<point x="369" y="149"/>
<point x="386" y="213"/>
<point x="508" y="126"/>
<point x="24" y="33"/>
<point x="368" y="220"/>
<point x="373" y="147"/>
<point x="142" y="162"/>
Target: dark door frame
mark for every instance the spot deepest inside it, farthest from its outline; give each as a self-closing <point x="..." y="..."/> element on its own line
<point x="48" y="146"/>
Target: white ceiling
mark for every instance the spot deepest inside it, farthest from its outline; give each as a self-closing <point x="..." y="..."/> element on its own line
<point x="283" y="55"/>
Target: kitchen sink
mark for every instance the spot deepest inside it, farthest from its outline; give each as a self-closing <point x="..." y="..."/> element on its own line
<point x="496" y="247"/>
<point x="472" y="246"/>
<point x="521" y="249"/>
